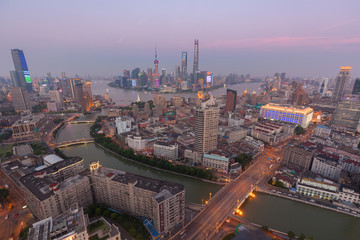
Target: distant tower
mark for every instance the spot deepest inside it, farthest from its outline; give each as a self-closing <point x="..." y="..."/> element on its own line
<point x="184" y="66"/>
<point x="230" y="100"/>
<point x="276" y="82"/>
<point x="356" y="89"/>
<point x="323" y="86"/>
<point x="177" y="73"/>
<point x="20" y="77"/>
<point x="196" y="61"/>
<point x="156" y="75"/>
<point x="342" y="81"/>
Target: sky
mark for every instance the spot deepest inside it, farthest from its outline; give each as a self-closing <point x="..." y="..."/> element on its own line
<point x="302" y="38"/>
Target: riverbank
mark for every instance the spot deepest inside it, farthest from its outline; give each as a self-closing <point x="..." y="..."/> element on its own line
<point x="307" y="202"/>
<point x="157" y="91"/>
<point x="160" y="169"/>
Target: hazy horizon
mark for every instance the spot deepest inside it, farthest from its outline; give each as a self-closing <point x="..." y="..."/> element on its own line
<point x="307" y="38"/>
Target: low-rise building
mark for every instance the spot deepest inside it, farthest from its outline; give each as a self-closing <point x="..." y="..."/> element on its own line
<point x="257" y="144"/>
<point x="68" y="225"/>
<point x="166" y="150"/>
<point x="215" y="161"/>
<point x="193" y="156"/>
<point x="326" y="166"/>
<point x="322" y="131"/>
<point x="318" y="188"/>
<point x="27" y="128"/>
<point x="136" y="143"/>
<point x="123" y="124"/>
<point x="349" y="194"/>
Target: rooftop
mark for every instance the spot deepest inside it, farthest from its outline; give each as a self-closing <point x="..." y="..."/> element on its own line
<point x="23" y="150"/>
<point x="164" y="189"/>
<point x="29" y="119"/>
<point x="51" y="159"/>
<point x="38" y="182"/>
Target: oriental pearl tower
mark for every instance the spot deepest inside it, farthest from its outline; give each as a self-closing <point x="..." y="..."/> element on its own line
<point x="156" y="75"/>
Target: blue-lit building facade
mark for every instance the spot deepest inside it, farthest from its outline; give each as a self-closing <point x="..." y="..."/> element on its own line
<point x="298" y="115"/>
<point x="21" y="76"/>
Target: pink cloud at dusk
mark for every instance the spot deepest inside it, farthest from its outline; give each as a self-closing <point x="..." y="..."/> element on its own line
<point x="284" y="41"/>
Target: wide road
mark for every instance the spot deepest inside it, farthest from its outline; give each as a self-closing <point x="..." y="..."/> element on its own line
<point x="227" y="199"/>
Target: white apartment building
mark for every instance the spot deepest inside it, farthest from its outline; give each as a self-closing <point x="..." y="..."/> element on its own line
<point x="216" y="161"/>
<point x="136" y="143"/>
<point x="322" y="189"/>
<point x="326" y="167"/>
<point x="166" y="150"/>
<point x="123" y="124"/>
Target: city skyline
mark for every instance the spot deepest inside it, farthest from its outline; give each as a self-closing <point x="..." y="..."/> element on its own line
<point x="307" y="39"/>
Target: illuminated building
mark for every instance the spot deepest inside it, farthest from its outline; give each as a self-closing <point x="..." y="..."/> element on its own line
<point x="177" y="73"/>
<point x="342" y="81"/>
<point x="276" y="82"/>
<point x="200" y="95"/>
<point x="156" y="76"/>
<point x="356" y="89"/>
<point x="83" y="93"/>
<point x="196" y="61"/>
<point x="230" y="100"/>
<point x="209" y="79"/>
<point x="206" y="126"/>
<point x="20" y="77"/>
<point x="184" y="66"/>
<point x="298" y="115"/>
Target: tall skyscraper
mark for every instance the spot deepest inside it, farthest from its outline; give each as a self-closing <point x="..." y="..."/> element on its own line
<point x="20" y="99"/>
<point x="323" y="86"/>
<point x="300" y="97"/>
<point x="184" y="66"/>
<point x="156" y="76"/>
<point x="356" y="89"/>
<point x="276" y="82"/>
<point x="230" y="100"/>
<point x="342" y="81"/>
<point x="21" y="77"/>
<point x="206" y="126"/>
<point x="283" y="77"/>
<point x="196" y="61"/>
<point x="347" y="114"/>
<point x="177" y="73"/>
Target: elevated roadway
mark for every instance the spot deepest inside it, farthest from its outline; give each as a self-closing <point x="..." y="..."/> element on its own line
<point x="224" y="203"/>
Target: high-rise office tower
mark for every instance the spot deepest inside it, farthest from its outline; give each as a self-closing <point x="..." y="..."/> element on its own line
<point x="347" y="114"/>
<point x="20" y="99"/>
<point x="72" y="82"/>
<point x="135" y="73"/>
<point x="63" y="75"/>
<point x="342" y="81"/>
<point x="177" y="73"/>
<point x="206" y="126"/>
<point x="196" y="61"/>
<point x="156" y="75"/>
<point x="356" y="89"/>
<point x="126" y="73"/>
<point x="299" y="97"/>
<point x="230" y="100"/>
<point x="57" y="96"/>
<point x="184" y="66"/>
<point x="21" y="77"/>
<point x="149" y="74"/>
<point x="323" y="86"/>
<point x="282" y="77"/>
<point x="276" y="82"/>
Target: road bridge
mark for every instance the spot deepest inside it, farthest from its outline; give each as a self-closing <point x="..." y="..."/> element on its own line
<point x="226" y="201"/>
<point x="75" y="142"/>
<point x="81" y="121"/>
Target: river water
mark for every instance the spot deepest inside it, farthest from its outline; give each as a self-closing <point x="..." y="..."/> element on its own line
<point x="125" y="96"/>
<point x="275" y="212"/>
<point x="195" y="189"/>
<point x="284" y="215"/>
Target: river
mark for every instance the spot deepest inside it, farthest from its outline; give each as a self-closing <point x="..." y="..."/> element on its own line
<point x="126" y="96"/>
<point x="285" y="215"/>
<point x="195" y="189"/>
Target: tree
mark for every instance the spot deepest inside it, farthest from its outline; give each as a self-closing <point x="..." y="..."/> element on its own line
<point x="132" y="231"/>
<point x="113" y="216"/>
<point x="299" y="130"/>
<point x="291" y="234"/>
<point x="302" y="236"/>
<point x="4" y="193"/>
<point x="98" y="211"/>
<point x="244" y="159"/>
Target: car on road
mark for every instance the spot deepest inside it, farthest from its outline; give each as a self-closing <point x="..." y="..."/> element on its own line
<point x="7" y="216"/>
<point x="312" y="200"/>
<point x="16" y="215"/>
